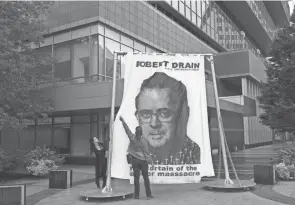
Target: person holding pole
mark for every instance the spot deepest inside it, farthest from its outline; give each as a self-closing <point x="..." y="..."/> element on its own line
<point x="140" y="158"/>
<point x="101" y="161"/>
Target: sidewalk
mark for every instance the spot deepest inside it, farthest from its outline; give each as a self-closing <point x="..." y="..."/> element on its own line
<point x="186" y="194"/>
<point x="182" y="194"/>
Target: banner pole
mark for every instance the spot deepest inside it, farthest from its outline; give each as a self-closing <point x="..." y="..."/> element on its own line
<point x="220" y="125"/>
<point x="108" y="187"/>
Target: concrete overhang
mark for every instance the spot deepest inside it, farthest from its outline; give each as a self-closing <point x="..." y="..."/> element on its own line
<point x="244" y="14"/>
<point x="239" y="64"/>
<point x="248" y="104"/>
<point x="279" y="12"/>
<point x="79" y="97"/>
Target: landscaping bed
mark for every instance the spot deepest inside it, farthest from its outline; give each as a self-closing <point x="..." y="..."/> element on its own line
<point x="28" y="165"/>
<point x="285" y="164"/>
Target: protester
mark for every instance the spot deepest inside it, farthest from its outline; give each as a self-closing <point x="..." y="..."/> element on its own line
<point x="101" y="161"/>
<point x="140" y="158"/>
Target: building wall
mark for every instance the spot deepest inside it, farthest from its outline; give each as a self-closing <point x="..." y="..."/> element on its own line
<point x="83" y="36"/>
<point x="254" y="131"/>
<point x="233" y="127"/>
<point x="135" y="18"/>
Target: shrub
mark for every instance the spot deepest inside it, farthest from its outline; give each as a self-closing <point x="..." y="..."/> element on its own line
<point x="286" y="156"/>
<point x="7" y="162"/>
<point x="40" y="161"/>
<point x="285" y="162"/>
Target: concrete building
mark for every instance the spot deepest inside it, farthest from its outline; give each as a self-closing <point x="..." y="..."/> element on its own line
<point x="83" y="35"/>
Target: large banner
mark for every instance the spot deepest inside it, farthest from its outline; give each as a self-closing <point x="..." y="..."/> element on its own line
<point x="166" y="96"/>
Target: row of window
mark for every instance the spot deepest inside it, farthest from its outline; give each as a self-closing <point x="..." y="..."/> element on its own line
<point x="63" y="134"/>
<point x="208" y="16"/>
<point x="89" y="58"/>
<point x="86" y="54"/>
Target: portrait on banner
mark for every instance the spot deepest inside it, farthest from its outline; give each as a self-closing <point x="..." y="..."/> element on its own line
<point x="162" y="111"/>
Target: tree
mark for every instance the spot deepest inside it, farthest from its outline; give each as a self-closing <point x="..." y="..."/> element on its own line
<point x="21" y="28"/>
<point x="278" y="93"/>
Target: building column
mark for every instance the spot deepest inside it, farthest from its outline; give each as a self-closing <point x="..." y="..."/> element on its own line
<point x="52" y="133"/>
<point x="35" y="133"/>
<point x="245" y="119"/>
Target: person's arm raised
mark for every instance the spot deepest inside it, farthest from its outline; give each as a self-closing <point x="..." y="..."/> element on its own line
<point x="127" y="130"/>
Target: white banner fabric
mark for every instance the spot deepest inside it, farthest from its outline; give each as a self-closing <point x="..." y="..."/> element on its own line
<point x="166" y="96"/>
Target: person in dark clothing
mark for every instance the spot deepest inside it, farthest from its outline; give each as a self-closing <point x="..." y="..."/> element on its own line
<point x="101" y="161"/>
<point x="140" y="157"/>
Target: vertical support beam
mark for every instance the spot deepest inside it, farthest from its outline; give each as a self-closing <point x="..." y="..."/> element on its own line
<point x="108" y="187"/>
<point x="91" y="131"/>
<point x="91" y="126"/>
<point x="90" y="67"/>
<point x="245" y="119"/>
<point x="52" y="133"/>
<point x="35" y="133"/>
<point x="52" y="65"/>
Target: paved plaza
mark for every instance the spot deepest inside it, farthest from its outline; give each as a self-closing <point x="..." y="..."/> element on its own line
<point x="83" y="179"/>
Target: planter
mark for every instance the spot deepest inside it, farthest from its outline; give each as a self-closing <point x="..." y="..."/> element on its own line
<point x="60" y="179"/>
<point x="13" y="194"/>
<point x="264" y="174"/>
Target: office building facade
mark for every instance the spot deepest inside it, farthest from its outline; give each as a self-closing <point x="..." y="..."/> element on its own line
<point x="83" y="35"/>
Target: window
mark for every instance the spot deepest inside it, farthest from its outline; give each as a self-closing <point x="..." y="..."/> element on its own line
<point x="44" y="132"/>
<point x="181" y="8"/>
<point x="45" y="69"/>
<point x="112" y="34"/>
<point x="175" y="4"/>
<point x="80" y="59"/>
<point x="110" y="47"/>
<point x="139" y="46"/>
<point x="212" y="15"/>
<point x="193" y="6"/>
<point x="199" y="8"/>
<point x="127" y="41"/>
<point x="188" y="13"/>
<point x="126" y="49"/>
<point x="62" y="66"/>
<point x="93" y="68"/>
<point x="194" y="18"/>
<point x="101" y="58"/>
<point x="62" y="134"/>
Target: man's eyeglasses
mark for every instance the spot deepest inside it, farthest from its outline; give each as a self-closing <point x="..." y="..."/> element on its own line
<point x="163" y="115"/>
